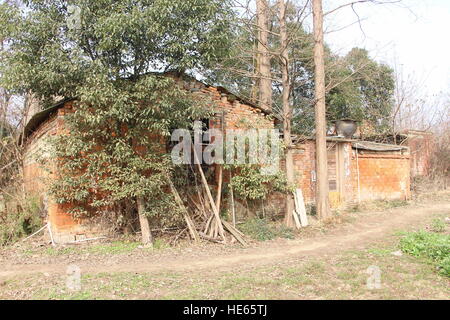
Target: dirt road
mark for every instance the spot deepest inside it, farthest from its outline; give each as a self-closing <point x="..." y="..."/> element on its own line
<point x="365" y="229"/>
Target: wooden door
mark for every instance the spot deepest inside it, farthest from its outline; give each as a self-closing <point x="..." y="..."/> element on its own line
<point x="334" y="184"/>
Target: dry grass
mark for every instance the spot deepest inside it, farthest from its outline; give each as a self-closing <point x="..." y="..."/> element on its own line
<point x="341" y="276"/>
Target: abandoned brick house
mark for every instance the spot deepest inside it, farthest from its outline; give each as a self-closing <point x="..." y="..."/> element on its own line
<point x="421" y="146"/>
<point x="358" y="170"/>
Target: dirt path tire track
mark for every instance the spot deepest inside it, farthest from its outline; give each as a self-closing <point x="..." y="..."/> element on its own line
<point x="367" y="229"/>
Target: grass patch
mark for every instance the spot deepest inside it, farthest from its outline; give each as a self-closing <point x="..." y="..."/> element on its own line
<point x="379" y="252"/>
<point x="160" y="244"/>
<point x="262" y="230"/>
<point x="433" y="247"/>
<point x="438" y="225"/>
<point x="376" y="205"/>
<point x="115" y="247"/>
<point x="341" y="275"/>
<point x="333" y="277"/>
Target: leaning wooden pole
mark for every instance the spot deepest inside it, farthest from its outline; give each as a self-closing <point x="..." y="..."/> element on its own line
<point x="189" y="223"/>
<point x="219" y="188"/>
<point x="233" y="208"/>
<point x="146" y="233"/>
<point x="210" y="197"/>
<point x="322" y="203"/>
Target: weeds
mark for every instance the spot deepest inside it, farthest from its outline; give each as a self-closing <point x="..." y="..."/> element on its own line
<point x="111" y="248"/>
<point x="262" y="230"/>
<point x="375" y="205"/>
<point x="437" y="225"/>
<point x="18" y="220"/>
<point x="434" y="247"/>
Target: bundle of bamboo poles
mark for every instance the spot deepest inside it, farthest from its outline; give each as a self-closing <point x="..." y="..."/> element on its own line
<point x="215" y="229"/>
<point x="215" y="226"/>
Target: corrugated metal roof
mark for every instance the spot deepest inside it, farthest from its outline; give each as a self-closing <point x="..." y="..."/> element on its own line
<point x="374" y="146"/>
<point x="357" y="144"/>
<point x="300" y="138"/>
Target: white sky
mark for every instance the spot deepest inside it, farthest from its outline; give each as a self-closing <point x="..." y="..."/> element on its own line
<point x="413" y="35"/>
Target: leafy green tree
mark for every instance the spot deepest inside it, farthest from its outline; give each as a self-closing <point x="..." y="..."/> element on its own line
<point x="54" y="47"/>
<point x="104" y="53"/>
<point x="365" y="91"/>
<point x="115" y="150"/>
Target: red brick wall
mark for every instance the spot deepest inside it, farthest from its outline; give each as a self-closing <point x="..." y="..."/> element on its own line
<point x="64" y="226"/>
<point x="305" y="166"/>
<point x="421" y="148"/>
<point x="305" y="169"/>
<point x="237" y="114"/>
<point x="381" y="176"/>
<point x="34" y="175"/>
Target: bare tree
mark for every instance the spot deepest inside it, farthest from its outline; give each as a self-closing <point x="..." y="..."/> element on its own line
<point x="414" y="108"/>
<point x="287" y="111"/>
<point x="282" y="76"/>
<point x="263" y="55"/>
<point x="322" y="203"/>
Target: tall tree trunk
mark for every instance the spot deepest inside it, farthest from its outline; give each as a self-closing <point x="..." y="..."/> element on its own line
<point x="322" y="202"/>
<point x="287" y="113"/>
<point x="146" y="233"/>
<point x="256" y="72"/>
<point x="263" y="63"/>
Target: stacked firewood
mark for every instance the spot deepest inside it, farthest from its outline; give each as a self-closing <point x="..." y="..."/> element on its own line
<point x="208" y="224"/>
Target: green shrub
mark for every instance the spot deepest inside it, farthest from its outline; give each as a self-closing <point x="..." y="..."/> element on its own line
<point x="311" y="210"/>
<point x="431" y="246"/>
<point x="444" y="265"/>
<point x="262" y="230"/>
<point x="396" y="203"/>
<point x="19" y="220"/>
<point x="250" y="183"/>
<point x="160" y="244"/>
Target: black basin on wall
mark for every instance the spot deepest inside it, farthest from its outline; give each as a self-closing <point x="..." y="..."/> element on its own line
<point x="345" y="127"/>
